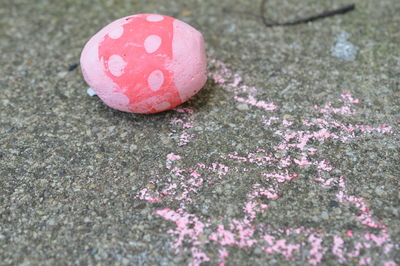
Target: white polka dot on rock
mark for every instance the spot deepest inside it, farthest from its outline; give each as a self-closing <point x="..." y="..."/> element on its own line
<point x="119" y="101"/>
<point x="116" y="33"/>
<point x="154" y="18"/>
<point x="116" y="65"/>
<point x="155" y="80"/>
<point x="152" y="43"/>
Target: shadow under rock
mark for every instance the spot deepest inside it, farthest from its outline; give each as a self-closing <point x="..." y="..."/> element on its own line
<point x="197" y="102"/>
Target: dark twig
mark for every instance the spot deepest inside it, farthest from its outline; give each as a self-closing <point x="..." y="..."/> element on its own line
<point x="262" y="13"/>
<point x="324" y="14"/>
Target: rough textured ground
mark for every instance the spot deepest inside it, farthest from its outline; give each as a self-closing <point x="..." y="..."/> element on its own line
<point x="288" y="156"/>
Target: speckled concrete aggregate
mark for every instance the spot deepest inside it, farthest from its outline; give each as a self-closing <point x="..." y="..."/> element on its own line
<point x="288" y="156"/>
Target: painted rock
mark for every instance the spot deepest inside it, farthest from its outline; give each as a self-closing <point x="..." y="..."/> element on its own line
<point x="145" y="63"/>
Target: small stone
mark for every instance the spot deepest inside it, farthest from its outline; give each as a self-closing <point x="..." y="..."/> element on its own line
<point x="338" y="211"/>
<point x="204" y="210"/>
<point x="73" y="67"/>
<point x="280" y="154"/>
<point x="333" y="204"/>
<point x="230" y="211"/>
<point x="125" y="261"/>
<point x="257" y="251"/>
<point x="242" y="106"/>
<point x="203" y="238"/>
<point x="343" y="49"/>
<point x="151" y="186"/>
<point x="380" y="191"/>
<point x="287" y="117"/>
<point x="147" y="238"/>
<point x="24" y="73"/>
<point x="91" y="92"/>
<point x="132" y="147"/>
<point x="325" y="215"/>
<point x="62" y="74"/>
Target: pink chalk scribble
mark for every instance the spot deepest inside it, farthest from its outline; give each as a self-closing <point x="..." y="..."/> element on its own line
<point x="260" y="157"/>
<point x="231" y="82"/>
<point x="280" y="246"/>
<point x="171" y="158"/>
<point x="186" y="122"/>
<point x="317" y="251"/>
<point x="337" y="248"/>
<point x="253" y="101"/>
<point x="280" y="177"/>
<point x="270" y="120"/>
<point x="144" y="195"/>
<point x="366" y="216"/>
<point x="259" y="191"/>
<point x="182" y="183"/>
<point x="208" y="238"/>
<point x="223" y="254"/>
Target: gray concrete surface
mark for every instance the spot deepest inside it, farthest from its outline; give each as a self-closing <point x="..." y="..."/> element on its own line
<point x="82" y="184"/>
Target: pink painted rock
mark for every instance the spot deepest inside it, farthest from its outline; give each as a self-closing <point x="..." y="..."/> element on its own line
<point x="145" y="63"/>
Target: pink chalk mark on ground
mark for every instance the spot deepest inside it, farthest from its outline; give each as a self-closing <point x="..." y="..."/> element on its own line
<point x="259" y="191"/>
<point x="317" y="251"/>
<point x="254" y="102"/>
<point x="188" y="226"/>
<point x="231" y="81"/>
<point x="182" y="126"/>
<point x="170" y="159"/>
<point x="196" y="234"/>
<point x="280" y="246"/>
<point x="145" y="195"/>
<point x="366" y="216"/>
<point x="337" y="248"/>
<point x="280" y="177"/>
<point x="270" y="120"/>
<point x="223" y="254"/>
<point x="173" y="157"/>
